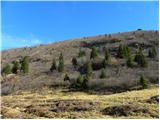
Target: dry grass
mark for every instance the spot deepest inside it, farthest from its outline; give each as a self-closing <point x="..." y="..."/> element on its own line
<point x="21" y="100"/>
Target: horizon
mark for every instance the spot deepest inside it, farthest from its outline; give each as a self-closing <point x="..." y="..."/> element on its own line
<point x="74" y="38"/>
<point x="74" y="19"/>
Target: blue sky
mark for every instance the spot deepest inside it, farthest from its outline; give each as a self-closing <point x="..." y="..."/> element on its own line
<point x="32" y="23"/>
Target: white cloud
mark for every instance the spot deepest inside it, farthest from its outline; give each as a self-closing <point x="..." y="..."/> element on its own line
<point x="9" y="41"/>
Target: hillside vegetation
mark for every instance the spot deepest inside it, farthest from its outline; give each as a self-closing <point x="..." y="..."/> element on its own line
<point x="103" y="76"/>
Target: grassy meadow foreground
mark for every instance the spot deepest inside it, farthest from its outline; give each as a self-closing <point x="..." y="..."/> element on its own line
<point x="104" y="76"/>
<point x="60" y="104"/>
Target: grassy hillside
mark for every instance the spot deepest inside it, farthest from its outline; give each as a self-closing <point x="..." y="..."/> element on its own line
<point x="121" y="84"/>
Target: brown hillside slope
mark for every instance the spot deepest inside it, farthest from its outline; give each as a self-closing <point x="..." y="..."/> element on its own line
<point x="118" y="74"/>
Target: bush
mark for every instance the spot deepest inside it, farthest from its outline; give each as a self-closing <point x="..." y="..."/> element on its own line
<point x="7" y="69"/>
<point x="107" y="55"/>
<point x="81" y="53"/>
<point x="89" y="69"/>
<point x="85" y="82"/>
<point x="127" y="52"/>
<point x="74" y="62"/>
<point x="143" y="82"/>
<point x="61" y="63"/>
<point x="103" y="74"/>
<point x="143" y="61"/>
<point x="54" y="65"/>
<point x="94" y="53"/>
<point x="66" y="77"/>
<point x="16" y="67"/>
<point x="25" y="64"/>
<point x="97" y="65"/>
<point x="120" y="51"/>
<point x="130" y="62"/>
<point x="138" y="56"/>
<point x="104" y="63"/>
<point x="123" y="51"/>
<point x="140" y="59"/>
<point x="152" y="53"/>
<point x="79" y="81"/>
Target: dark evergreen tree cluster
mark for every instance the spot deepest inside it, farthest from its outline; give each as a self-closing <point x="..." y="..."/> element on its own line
<point x="123" y="51"/>
<point x="140" y="59"/>
<point x="60" y="66"/>
<point x="22" y="66"/>
<point x="82" y="82"/>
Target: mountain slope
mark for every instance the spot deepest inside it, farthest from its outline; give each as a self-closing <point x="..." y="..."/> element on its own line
<point x="120" y="94"/>
<point x="119" y="76"/>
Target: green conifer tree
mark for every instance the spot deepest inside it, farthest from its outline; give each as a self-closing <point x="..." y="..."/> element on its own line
<point x="120" y="51"/>
<point x="61" y="63"/>
<point x="89" y="69"/>
<point x="107" y="55"/>
<point x="130" y="62"/>
<point x="138" y="56"/>
<point x="74" y="62"/>
<point x="94" y="53"/>
<point x="16" y="67"/>
<point x="85" y="82"/>
<point x="25" y="64"/>
<point x="126" y="51"/>
<point x="104" y="63"/>
<point x="66" y="77"/>
<point x="143" y="82"/>
<point x="54" y="65"/>
<point x="140" y="59"/>
<point x="79" y="81"/>
<point x="123" y="51"/>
